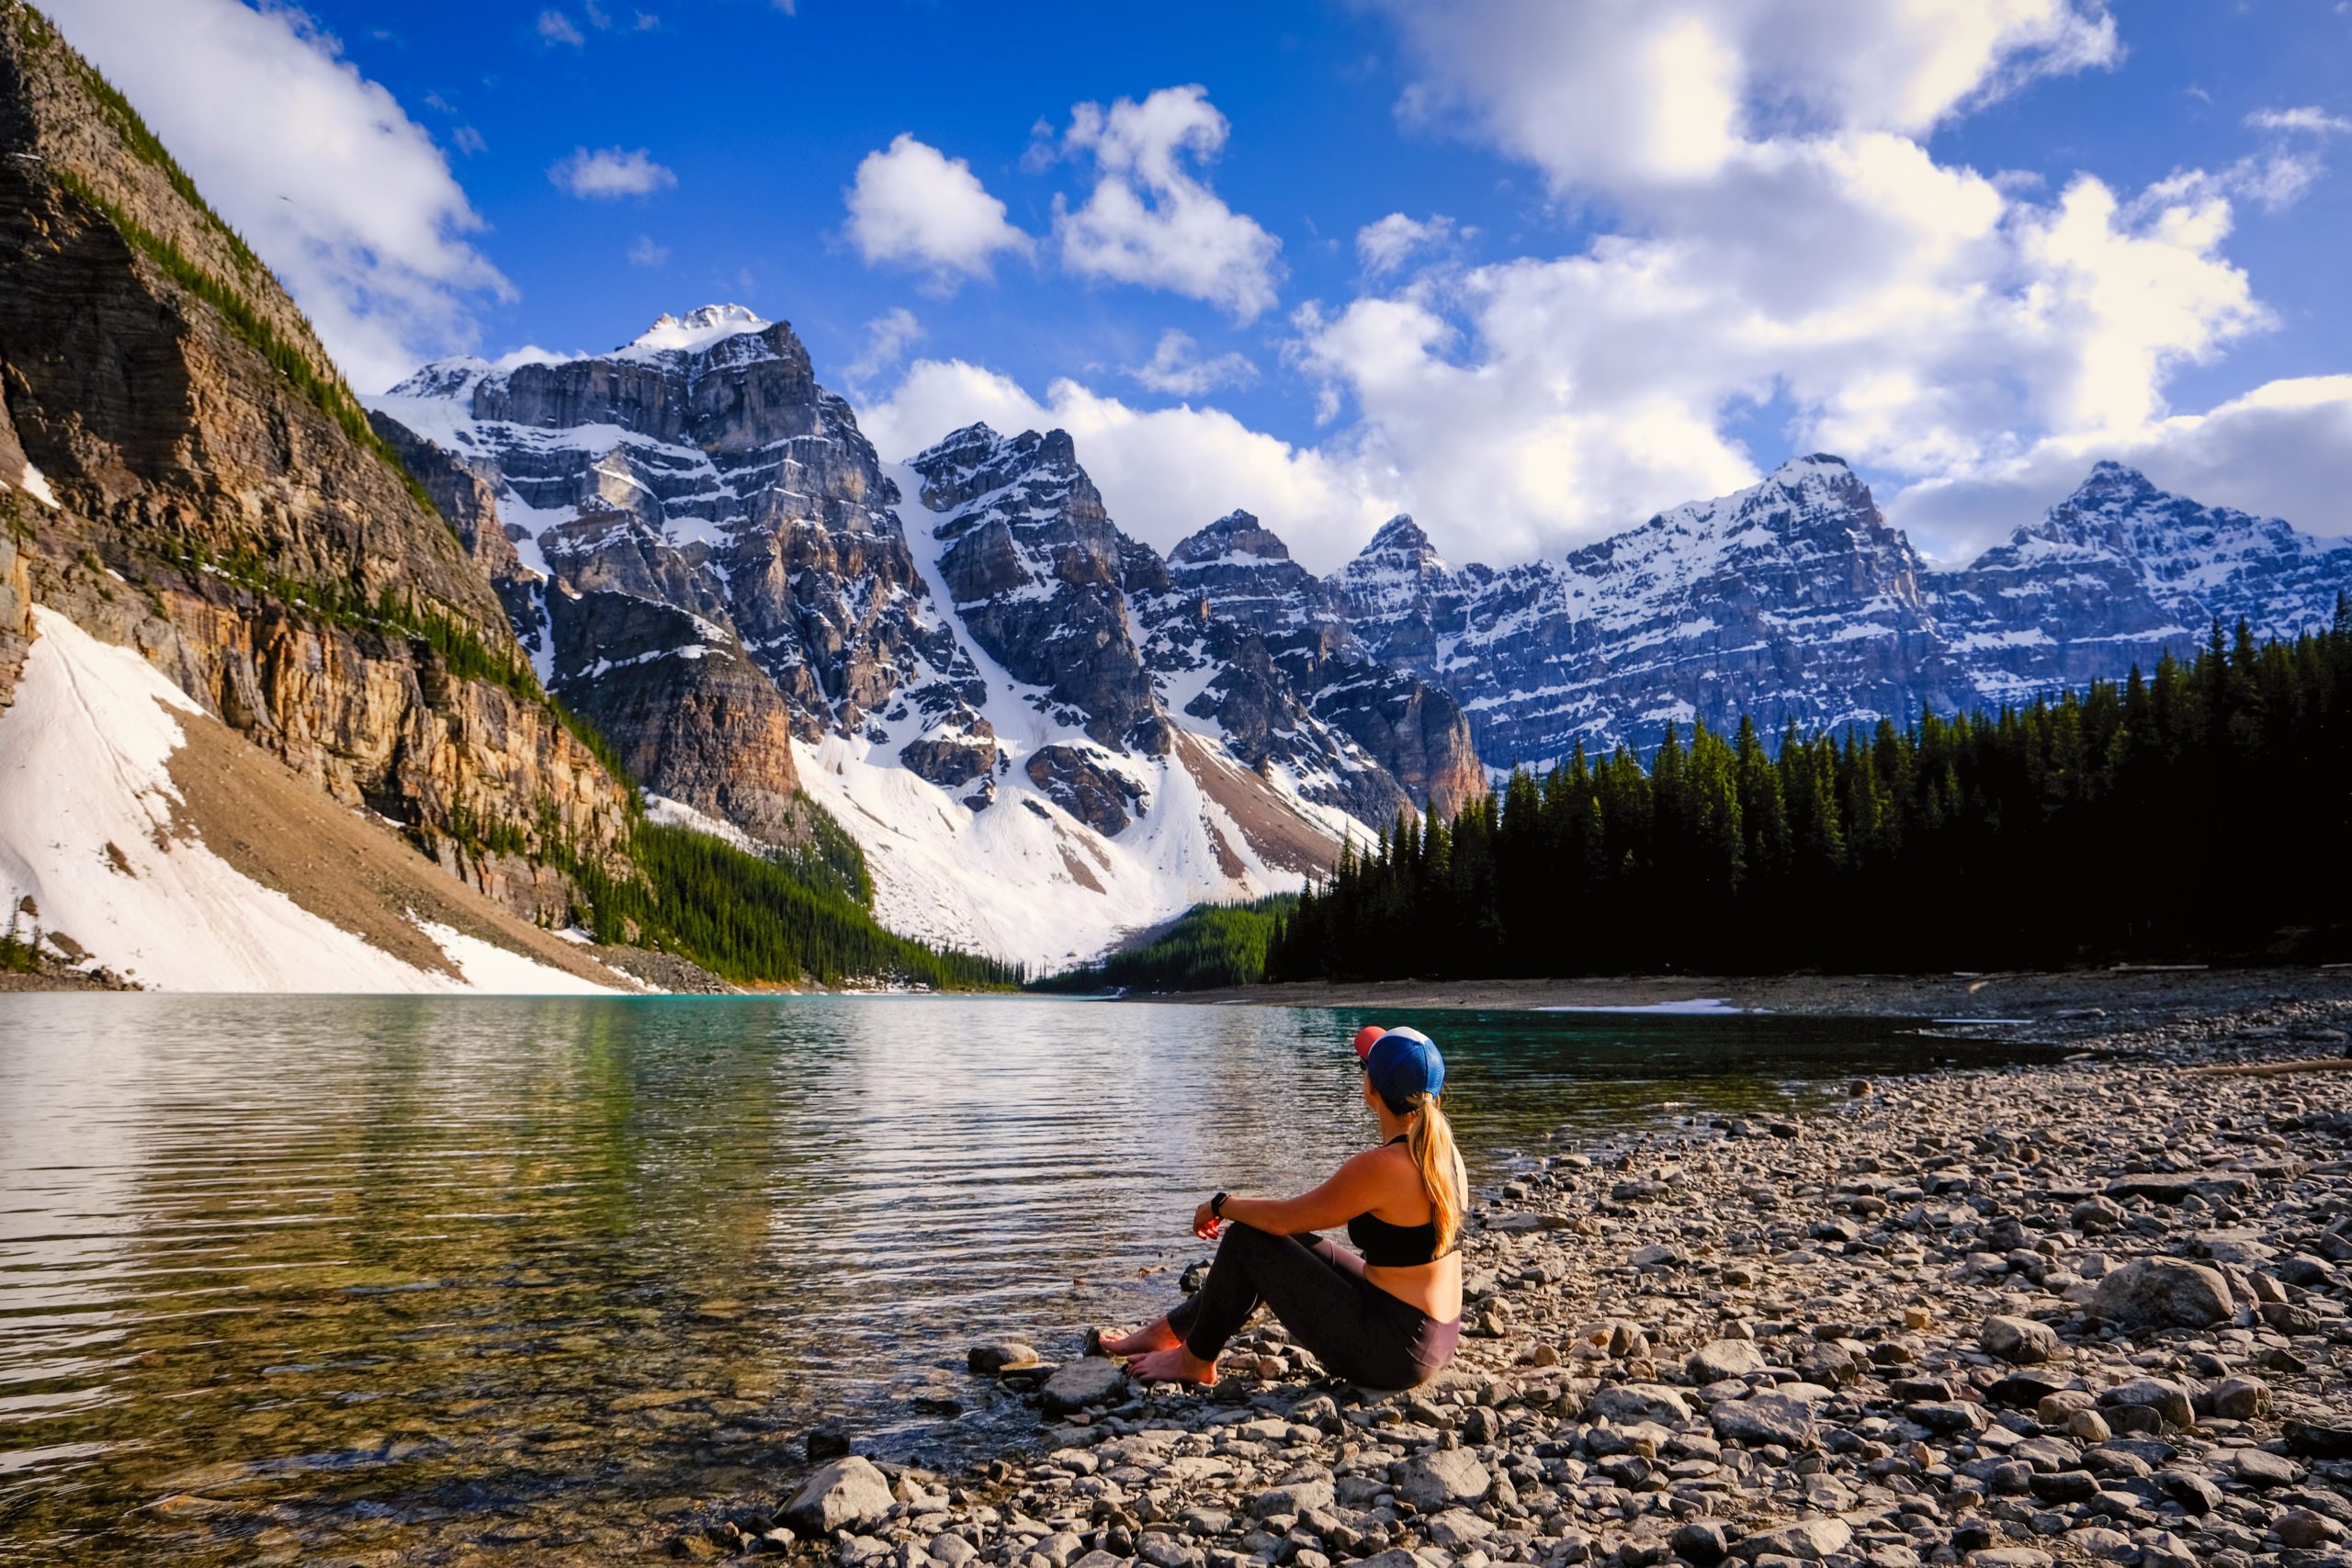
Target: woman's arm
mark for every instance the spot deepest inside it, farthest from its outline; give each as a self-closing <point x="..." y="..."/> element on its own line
<point x="1355" y="1188"/>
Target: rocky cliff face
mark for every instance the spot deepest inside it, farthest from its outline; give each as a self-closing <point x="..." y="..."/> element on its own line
<point x="1245" y="640"/>
<point x="1038" y="576"/>
<point x="699" y="469"/>
<point x="202" y="487"/>
<point x="1795" y="601"/>
<point x="950" y="654"/>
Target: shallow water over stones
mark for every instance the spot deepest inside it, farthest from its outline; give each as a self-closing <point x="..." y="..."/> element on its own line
<point x="293" y="1277"/>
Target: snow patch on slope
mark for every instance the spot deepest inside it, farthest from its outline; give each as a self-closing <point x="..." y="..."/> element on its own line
<point x="35" y="483"/>
<point x="697" y="330"/>
<point x="87" y="832"/>
<point x="1024" y="879"/>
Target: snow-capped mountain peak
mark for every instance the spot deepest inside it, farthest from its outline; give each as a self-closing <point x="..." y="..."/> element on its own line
<point x="696" y="330"/>
<point x="1237" y="534"/>
<point x="2121" y="560"/>
<point x="1400" y="540"/>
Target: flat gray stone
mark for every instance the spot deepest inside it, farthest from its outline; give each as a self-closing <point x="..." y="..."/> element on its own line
<point x="1721" y="1358"/>
<point x="1004" y="1356"/>
<point x="1441" y="1479"/>
<point x="1076" y="1384"/>
<point x="1626" y="1403"/>
<point x="1296" y="1499"/>
<point x="2166" y="1398"/>
<point x="2018" y="1339"/>
<point x="1808" y="1541"/>
<point x="2256" y="1468"/>
<point x="1765" y="1418"/>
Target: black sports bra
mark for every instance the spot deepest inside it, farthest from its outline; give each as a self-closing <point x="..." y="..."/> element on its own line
<point x="1387" y="1246"/>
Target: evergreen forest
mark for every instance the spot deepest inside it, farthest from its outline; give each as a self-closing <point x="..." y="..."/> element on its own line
<point x="2201" y="812"/>
<point x="752" y="920"/>
<point x="1207" y="946"/>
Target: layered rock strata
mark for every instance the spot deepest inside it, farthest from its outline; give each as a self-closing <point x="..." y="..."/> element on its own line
<point x="191" y="477"/>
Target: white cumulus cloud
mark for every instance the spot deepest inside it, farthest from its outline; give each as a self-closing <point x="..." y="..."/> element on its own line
<point x="1152" y="219"/>
<point x="609" y="174"/>
<point x="345" y="197"/>
<point x="888" y="338"/>
<point x="1164" y="473"/>
<point x="1384" y="246"/>
<point x="912" y="204"/>
<point x="2306" y="119"/>
<point x="1774" y="233"/>
<point x="2282" y="450"/>
<point x="1618" y="95"/>
<point x="1177" y="368"/>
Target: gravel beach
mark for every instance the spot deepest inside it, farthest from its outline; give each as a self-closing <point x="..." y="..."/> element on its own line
<point x="2098" y="1310"/>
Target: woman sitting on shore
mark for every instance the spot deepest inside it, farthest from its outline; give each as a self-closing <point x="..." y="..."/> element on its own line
<point x="1386" y="1315"/>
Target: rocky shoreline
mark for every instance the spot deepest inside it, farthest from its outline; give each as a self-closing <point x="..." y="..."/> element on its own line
<point x="2056" y="1003"/>
<point x="2094" y="1312"/>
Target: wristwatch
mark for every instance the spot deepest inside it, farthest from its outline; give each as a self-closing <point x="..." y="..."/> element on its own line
<point x="1216" y="1205"/>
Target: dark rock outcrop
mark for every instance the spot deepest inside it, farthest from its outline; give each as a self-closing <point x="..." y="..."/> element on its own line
<point x="1104" y="798"/>
<point x="1038" y="573"/>
<point x="1261" y="646"/>
<point x="693" y="719"/>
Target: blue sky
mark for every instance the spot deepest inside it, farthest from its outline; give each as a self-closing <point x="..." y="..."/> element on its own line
<point x="1639" y="253"/>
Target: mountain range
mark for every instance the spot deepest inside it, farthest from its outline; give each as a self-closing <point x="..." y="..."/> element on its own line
<point x="1033" y="719"/>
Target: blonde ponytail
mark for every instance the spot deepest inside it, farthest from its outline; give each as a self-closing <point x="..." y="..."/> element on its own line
<point x="1431" y="1143"/>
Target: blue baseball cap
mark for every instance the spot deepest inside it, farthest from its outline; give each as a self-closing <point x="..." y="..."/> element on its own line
<point x="1404" y="1063"/>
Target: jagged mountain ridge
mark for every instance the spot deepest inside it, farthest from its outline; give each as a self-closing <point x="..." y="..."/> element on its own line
<point x="1795" y="601"/>
<point x="956" y="656"/>
<point x="1244" y="638"/>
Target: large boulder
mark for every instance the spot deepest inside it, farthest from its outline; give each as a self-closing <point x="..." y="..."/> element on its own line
<point x="2167" y="1399"/>
<point x="846" y="1495"/>
<point x="1765" y="1418"/>
<point x="2163" y="1292"/>
<point x="1808" y="1541"/>
<point x="1720" y="1359"/>
<point x="1089" y="789"/>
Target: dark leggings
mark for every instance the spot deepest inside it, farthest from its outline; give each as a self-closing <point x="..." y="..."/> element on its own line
<point x="1317" y="1289"/>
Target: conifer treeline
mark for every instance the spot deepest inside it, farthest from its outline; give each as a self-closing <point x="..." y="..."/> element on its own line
<point x="2201" y="811"/>
<point x="752" y="921"/>
<point x="1209" y="945"/>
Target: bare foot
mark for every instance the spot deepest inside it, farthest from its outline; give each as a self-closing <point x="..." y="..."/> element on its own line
<point x="1152" y="1337"/>
<point x="1175" y="1364"/>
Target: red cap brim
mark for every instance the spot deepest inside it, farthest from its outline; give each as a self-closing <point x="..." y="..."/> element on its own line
<point x="1366" y="1038"/>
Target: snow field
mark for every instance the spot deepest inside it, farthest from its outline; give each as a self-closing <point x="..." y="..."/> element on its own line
<point x="87" y="832"/>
